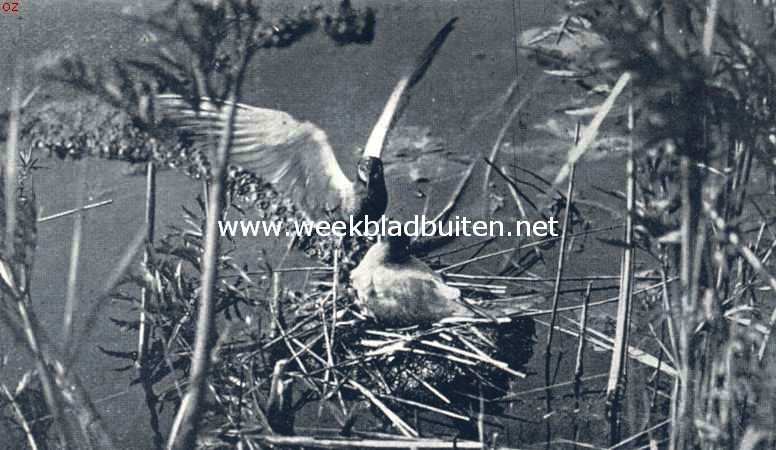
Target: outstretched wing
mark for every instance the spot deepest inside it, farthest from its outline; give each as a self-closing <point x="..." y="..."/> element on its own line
<point x="295" y="157"/>
<point x="392" y="110"/>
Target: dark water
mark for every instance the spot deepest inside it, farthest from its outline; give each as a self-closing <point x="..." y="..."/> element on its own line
<point x="340" y="89"/>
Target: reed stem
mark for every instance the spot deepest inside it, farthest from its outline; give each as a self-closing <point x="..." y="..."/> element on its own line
<point x="71" y="298"/>
<point x="146" y="293"/>
<point x="615" y="386"/>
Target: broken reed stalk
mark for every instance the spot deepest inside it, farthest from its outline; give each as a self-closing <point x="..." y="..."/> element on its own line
<point x="579" y="364"/>
<point x="71" y="297"/>
<point x="512" y="187"/>
<point x="497" y="105"/>
<point x="146" y="292"/>
<point x="456" y="196"/>
<point x="332" y="340"/>
<point x="555" y="297"/>
<point x="494" y="151"/>
<point x="656" y="391"/>
<point x="459" y="190"/>
<point x="69" y="212"/>
<point x="183" y="434"/>
<point x="591" y="132"/>
<point x="515" y="196"/>
<point x="471" y="276"/>
<point x="603" y="341"/>
<point x="522" y="247"/>
<point x="605" y="301"/>
<point x="334" y="296"/>
<point x="559" y="277"/>
<point x="629" y="439"/>
<point x="668" y="307"/>
<point x="328" y="338"/>
<point x="397" y="421"/>
<point x="527" y="392"/>
<point x="615" y="387"/>
<point x="384" y="443"/>
<point x="418" y="406"/>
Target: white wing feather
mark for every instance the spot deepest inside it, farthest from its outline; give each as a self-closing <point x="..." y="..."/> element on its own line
<point x="400" y="93"/>
<point x="295" y="157"/>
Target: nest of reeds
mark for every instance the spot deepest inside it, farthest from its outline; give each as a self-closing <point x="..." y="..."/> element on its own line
<point x="419" y="363"/>
<point x="444" y="369"/>
<point x="333" y="355"/>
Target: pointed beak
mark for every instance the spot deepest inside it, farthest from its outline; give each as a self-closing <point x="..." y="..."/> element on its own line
<point x="368" y="179"/>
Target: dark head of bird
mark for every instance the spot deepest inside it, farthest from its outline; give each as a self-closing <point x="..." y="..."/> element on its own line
<point x="398" y="248"/>
<point x="371" y="183"/>
<point x="370" y="170"/>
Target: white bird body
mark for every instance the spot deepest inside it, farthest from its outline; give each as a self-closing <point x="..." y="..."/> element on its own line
<point x="395" y="288"/>
<point x="403" y="291"/>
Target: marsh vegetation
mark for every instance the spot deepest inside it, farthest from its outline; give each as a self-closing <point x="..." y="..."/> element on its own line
<point x="251" y="351"/>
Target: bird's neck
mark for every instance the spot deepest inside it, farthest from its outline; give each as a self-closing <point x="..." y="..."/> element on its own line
<point x="397" y="254"/>
<point x="378" y="197"/>
<point x="370" y="199"/>
<point x="398" y="257"/>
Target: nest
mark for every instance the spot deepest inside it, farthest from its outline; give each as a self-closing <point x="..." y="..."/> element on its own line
<point x="331" y="353"/>
<point x="441" y="368"/>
